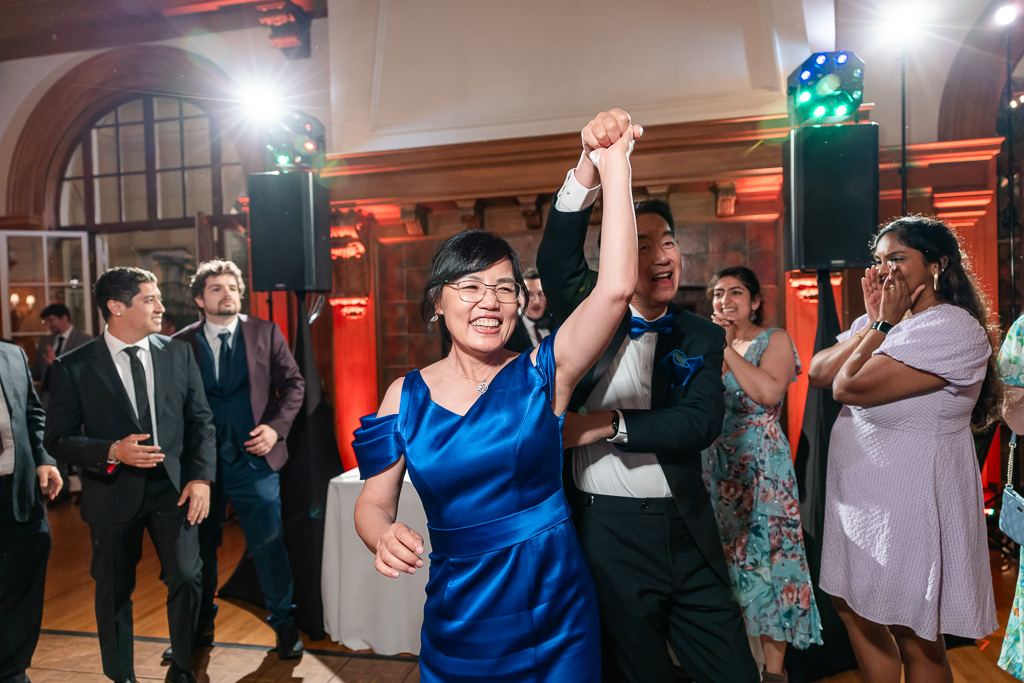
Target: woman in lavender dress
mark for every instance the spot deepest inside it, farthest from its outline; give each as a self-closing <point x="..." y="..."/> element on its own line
<point x="905" y="552"/>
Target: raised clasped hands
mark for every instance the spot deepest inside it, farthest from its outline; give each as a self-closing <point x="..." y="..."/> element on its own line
<point x="610" y="130"/>
<point x="398" y="550"/>
<point x="896" y="298"/>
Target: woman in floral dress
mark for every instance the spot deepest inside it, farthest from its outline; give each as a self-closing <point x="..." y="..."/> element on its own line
<point x="749" y="474"/>
<point x="1011" y="369"/>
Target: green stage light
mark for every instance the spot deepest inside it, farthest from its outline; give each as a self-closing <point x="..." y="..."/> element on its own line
<point x="826" y="82"/>
<point x="295" y="141"/>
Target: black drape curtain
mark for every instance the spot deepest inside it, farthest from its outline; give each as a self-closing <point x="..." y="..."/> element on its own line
<point x="820" y="413"/>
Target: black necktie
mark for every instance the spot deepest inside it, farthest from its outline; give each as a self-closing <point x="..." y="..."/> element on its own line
<point x="141" y="394"/>
<point x="222" y="357"/>
<point x="60" y="345"/>
<point x="56" y="353"/>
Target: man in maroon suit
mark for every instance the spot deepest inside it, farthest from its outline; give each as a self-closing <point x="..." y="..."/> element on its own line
<point x="255" y="390"/>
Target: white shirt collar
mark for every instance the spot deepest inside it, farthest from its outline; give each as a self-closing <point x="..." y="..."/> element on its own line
<point x="212" y="330"/>
<point x="116" y="346"/>
<point x="636" y="313"/>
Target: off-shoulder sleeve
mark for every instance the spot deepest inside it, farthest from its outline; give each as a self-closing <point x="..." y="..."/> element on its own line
<point x="377" y="444"/>
<point x="946" y="341"/>
<point x="1011" y="355"/>
<point x="859" y="324"/>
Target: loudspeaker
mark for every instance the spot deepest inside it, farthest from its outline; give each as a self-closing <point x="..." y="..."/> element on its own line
<point x="830" y="186"/>
<point x="289" y="232"/>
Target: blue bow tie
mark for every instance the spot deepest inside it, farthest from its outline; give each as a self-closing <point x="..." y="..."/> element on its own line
<point x="638" y="326"/>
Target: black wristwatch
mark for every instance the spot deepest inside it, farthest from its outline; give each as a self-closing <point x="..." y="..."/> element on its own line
<point x="615" y="423"/>
<point x="882" y="326"/>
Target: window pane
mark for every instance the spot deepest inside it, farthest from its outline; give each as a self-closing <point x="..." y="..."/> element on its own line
<point x="197" y="141"/>
<point x="72" y="296"/>
<point x="165" y="108"/>
<point x="233" y="186"/>
<point x="168" y="144"/>
<point x="198" y="191"/>
<point x="130" y="112"/>
<point x="134" y="193"/>
<point x="74" y="168"/>
<point x="64" y="256"/>
<point x="108" y="119"/>
<point x="25" y="258"/>
<point x="26" y="302"/>
<point x="189" y="109"/>
<point x="108" y="205"/>
<point x="104" y="150"/>
<point x="72" y="202"/>
<point x="228" y="153"/>
<point x="133" y="149"/>
<point x="170" y="202"/>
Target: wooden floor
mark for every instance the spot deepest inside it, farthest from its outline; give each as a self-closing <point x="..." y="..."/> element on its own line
<point x="69" y="650"/>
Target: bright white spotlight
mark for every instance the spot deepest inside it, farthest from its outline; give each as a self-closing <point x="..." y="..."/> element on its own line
<point x="1006" y="15"/>
<point x="904" y="20"/>
<point x="260" y="103"/>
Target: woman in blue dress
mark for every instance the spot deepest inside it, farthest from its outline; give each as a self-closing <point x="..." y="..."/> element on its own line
<point x="509" y="597"/>
<point x="749" y="474"/>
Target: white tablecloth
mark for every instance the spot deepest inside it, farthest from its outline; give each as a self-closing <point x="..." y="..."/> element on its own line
<point x="364" y="609"/>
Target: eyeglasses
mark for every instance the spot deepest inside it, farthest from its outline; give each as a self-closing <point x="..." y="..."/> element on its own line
<point x="473" y="292"/>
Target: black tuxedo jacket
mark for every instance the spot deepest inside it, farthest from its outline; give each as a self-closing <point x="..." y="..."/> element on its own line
<point x="683" y="420"/>
<point x="276" y="387"/>
<point x="27" y="424"/>
<point x="90" y="409"/>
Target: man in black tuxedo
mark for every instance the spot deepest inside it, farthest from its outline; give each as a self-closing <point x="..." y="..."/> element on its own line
<point x="27" y="475"/>
<point x="128" y="408"/>
<point x="645" y="411"/>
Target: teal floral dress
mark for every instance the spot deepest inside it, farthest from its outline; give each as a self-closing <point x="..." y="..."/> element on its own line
<point x="748" y="472"/>
<point x="1011" y="369"/>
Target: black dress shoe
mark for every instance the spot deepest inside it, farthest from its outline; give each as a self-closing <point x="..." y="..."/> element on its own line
<point x="204" y="638"/>
<point x="176" y="674"/>
<point x="289" y="644"/>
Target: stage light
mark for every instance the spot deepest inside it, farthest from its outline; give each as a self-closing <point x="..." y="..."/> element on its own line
<point x="831" y="93"/>
<point x="260" y="102"/>
<point x="1006" y="15"/>
<point x="903" y="21"/>
<point x="295" y="141"/>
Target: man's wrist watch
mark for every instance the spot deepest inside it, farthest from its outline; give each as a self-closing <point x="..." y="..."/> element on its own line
<point x="615" y="423"/>
<point x="882" y="326"/>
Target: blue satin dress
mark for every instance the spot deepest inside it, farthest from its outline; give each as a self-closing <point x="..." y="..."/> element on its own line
<point x="509" y="597"/>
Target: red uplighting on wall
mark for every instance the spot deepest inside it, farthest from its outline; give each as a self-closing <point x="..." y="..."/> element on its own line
<point x="807" y="287"/>
<point x="350" y="250"/>
<point x="352" y="306"/>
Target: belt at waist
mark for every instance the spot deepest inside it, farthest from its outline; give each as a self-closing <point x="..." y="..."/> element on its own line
<point x="627" y="505"/>
<point x="502" y="532"/>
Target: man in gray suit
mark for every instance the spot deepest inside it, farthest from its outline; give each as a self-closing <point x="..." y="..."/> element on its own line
<point x="62" y="338"/>
<point x="28" y="476"/>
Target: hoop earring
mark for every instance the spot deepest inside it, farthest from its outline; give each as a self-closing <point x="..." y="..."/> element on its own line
<point x="434" y="319"/>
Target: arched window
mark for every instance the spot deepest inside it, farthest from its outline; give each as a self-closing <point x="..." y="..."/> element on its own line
<point x="154" y="161"/>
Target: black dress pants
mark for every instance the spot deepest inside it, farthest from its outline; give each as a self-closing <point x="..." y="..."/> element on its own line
<point x="116" y="551"/>
<point x="654" y="586"/>
<point x="24" y="550"/>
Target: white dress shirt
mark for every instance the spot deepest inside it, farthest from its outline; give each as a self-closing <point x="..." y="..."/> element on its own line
<point x="123" y="363"/>
<point x="212" y="332"/>
<point x="532" y="332"/>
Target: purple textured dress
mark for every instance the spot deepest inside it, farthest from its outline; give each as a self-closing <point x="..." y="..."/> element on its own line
<point x="905" y="540"/>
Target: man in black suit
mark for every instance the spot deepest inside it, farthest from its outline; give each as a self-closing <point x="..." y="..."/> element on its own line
<point x="129" y="409"/>
<point x="645" y="411"/>
<point x="536" y="322"/>
<point x="255" y="390"/>
<point x="27" y="475"/>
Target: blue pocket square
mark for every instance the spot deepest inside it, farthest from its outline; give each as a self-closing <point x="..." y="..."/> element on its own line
<point x="680" y="368"/>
